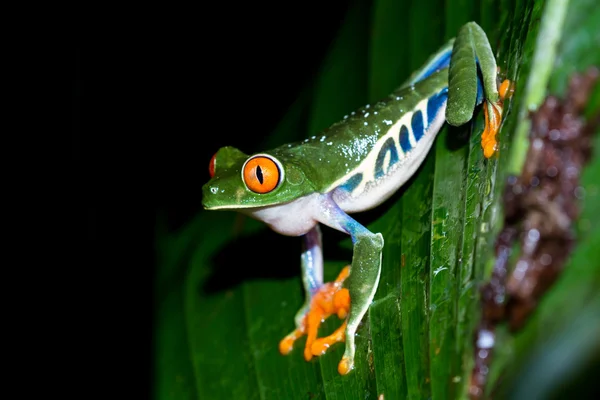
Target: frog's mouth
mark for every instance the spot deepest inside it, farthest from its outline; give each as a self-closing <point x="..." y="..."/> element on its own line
<point x="216" y="198"/>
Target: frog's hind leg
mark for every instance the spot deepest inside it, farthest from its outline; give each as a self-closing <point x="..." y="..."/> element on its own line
<point x="472" y="78"/>
<point x="362" y="281"/>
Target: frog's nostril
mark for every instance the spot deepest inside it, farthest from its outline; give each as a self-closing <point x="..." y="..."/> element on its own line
<point x="214" y="189"/>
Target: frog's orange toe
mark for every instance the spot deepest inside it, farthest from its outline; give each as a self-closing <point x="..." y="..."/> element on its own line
<point x="506" y="89"/>
<point x="493" y="117"/>
<point x="320" y="346"/>
<point x="286" y="345"/>
<point x="492" y="112"/>
<point x="345" y="366"/>
<point x="490" y="146"/>
<point x="308" y="355"/>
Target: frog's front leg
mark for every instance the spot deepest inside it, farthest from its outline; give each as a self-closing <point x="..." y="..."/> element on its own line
<point x="312" y="270"/>
<point x="322" y="300"/>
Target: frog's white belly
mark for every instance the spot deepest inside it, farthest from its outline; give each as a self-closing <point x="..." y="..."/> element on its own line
<point x="292" y="219"/>
<point x="374" y="190"/>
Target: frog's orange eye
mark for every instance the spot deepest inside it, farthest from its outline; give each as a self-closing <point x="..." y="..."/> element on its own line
<point x="211" y="165"/>
<point x="261" y="174"/>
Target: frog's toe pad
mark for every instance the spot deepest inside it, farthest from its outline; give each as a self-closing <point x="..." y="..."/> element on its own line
<point x="345" y="366"/>
<point x="287" y="344"/>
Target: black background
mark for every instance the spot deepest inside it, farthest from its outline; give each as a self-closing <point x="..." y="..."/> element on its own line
<point x="158" y="90"/>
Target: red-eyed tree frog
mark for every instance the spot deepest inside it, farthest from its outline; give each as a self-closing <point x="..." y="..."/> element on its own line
<point x="354" y="166"/>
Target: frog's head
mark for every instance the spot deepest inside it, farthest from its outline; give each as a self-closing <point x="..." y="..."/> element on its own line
<point x="239" y="181"/>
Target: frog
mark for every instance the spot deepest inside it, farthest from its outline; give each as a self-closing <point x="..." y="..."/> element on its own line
<point x="353" y="166"/>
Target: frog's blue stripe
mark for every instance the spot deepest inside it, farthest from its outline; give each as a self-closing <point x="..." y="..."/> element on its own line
<point x="388" y="146"/>
<point x="435" y="103"/>
<point x="479" y="99"/>
<point x="352" y="182"/>
<point x="440" y="62"/>
<point x="416" y="123"/>
<point x="404" y="141"/>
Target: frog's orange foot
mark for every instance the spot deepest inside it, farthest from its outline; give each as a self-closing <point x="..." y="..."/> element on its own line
<point x="331" y="298"/>
<point x="493" y="118"/>
<point x="345" y="366"/>
<point x="320" y="345"/>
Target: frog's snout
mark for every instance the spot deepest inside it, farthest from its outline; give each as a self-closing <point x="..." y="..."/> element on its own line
<point x="209" y="191"/>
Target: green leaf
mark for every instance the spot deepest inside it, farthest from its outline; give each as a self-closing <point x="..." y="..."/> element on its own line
<point x="218" y="324"/>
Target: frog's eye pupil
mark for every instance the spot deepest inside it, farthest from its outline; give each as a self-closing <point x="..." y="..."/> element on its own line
<point x="262" y="174"/>
<point x="259" y="174"/>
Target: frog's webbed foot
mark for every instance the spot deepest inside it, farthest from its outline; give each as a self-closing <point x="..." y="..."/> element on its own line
<point x="331" y="298"/>
<point x="492" y="111"/>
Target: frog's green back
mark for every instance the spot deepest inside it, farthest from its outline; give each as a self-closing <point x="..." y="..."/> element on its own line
<point x="331" y="157"/>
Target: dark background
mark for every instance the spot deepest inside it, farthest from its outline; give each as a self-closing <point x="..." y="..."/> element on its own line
<point x="156" y="91"/>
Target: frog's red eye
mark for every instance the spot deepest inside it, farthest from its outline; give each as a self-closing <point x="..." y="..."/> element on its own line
<point x="211" y="165"/>
<point x="261" y="174"/>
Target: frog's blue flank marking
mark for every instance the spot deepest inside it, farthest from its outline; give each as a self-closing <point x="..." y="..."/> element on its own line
<point x="388" y="147"/>
<point x="416" y="124"/>
<point x="435" y="103"/>
<point x="440" y="62"/>
<point x="404" y="140"/>
<point x="352" y="182"/>
<point x="480" y="93"/>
